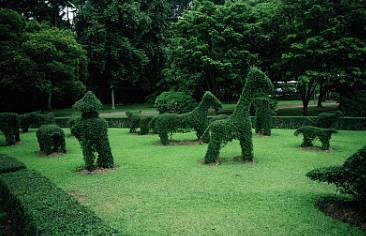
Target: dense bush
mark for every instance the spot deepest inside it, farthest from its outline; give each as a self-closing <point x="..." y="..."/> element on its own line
<point x="355" y="104"/>
<point x="197" y="119"/>
<point x="51" y="139"/>
<point x="350" y="178"/>
<point x="174" y="102"/>
<point x="238" y="125"/>
<point x="328" y="119"/>
<point x="35" y="120"/>
<point x="38" y="207"/>
<point x="217" y="117"/>
<point x="138" y="120"/>
<point x="9" y="164"/>
<point x="263" y="117"/>
<point x="92" y="133"/>
<point x="9" y="125"/>
<point x="310" y="133"/>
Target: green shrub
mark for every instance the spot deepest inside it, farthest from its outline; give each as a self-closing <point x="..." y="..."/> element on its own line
<point x="328" y="119"/>
<point x="350" y="178"/>
<point x="217" y="117"/>
<point x="9" y="125"/>
<point x="310" y="133"/>
<point x="137" y="120"/>
<point x="355" y="104"/>
<point x="9" y="164"/>
<point x="72" y="121"/>
<point x="263" y="117"/>
<point x="238" y="125"/>
<point x="35" y="120"/>
<point x="174" y="102"/>
<point x="92" y="133"/>
<point x="51" y="139"/>
<point x="38" y="207"/>
<point x="196" y="119"/>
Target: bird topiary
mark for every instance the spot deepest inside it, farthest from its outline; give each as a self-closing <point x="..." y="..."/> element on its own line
<point x="196" y="119"/>
<point x="350" y="178"/>
<point x="35" y="119"/>
<point x="238" y="125"/>
<point x="9" y="125"/>
<point x="263" y="116"/>
<point x="51" y="139"/>
<point x="310" y="133"/>
<point x="92" y="133"/>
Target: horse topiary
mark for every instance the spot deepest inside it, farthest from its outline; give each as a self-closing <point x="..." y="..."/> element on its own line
<point x="310" y="133"/>
<point x="197" y="119"/>
<point x="263" y="116"/>
<point x="51" y="139"/>
<point x="92" y="133"/>
<point x="350" y="178"/>
<point x="238" y="125"/>
<point x="9" y="125"/>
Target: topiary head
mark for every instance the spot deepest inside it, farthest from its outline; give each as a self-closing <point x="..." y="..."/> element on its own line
<point x="257" y="84"/>
<point x="89" y="104"/>
<point x="211" y="100"/>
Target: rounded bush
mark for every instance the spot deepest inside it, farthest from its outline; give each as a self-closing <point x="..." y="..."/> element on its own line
<point x="51" y="139"/>
<point x="174" y="102"/>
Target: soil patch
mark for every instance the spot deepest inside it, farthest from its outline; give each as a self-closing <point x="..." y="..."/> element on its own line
<point x="83" y="171"/>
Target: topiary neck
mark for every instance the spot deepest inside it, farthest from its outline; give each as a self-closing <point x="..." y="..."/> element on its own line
<point x="243" y="105"/>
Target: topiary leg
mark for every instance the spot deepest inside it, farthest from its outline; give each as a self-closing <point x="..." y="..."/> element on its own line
<point x="247" y="147"/>
<point x="325" y="142"/>
<point x="62" y="144"/>
<point x="88" y="155"/>
<point x="213" y="150"/>
<point x="164" y="138"/>
<point x="308" y="140"/>
<point x="17" y="134"/>
<point x="105" y="158"/>
<point x="9" y="137"/>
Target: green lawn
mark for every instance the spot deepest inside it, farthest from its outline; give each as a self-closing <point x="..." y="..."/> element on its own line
<point x="165" y="190"/>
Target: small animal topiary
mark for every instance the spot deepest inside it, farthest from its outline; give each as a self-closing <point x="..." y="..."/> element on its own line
<point x="51" y="139"/>
<point x="328" y="119"/>
<point x="263" y="116"/>
<point x="196" y="119"/>
<point x="138" y="120"/>
<point x="92" y="133"/>
<point x="238" y="125"/>
<point x="350" y="178"/>
<point x="35" y="119"/>
<point x="9" y="125"/>
<point x="310" y="133"/>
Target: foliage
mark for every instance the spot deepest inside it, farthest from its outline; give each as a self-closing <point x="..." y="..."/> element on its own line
<point x="9" y="125"/>
<point x="329" y="119"/>
<point x="123" y="40"/>
<point x="196" y="119"/>
<point x="174" y="102"/>
<point x="51" y="139"/>
<point x="9" y="164"/>
<point x="263" y="117"/>
<point x="92" y="133"/>
<point x="38" y="63"/>
<point x="238" y="125"/>
<point x="350" y="178"/>
<point x="137" y="120"/>
<point x="354" y="104"/>
<point x="217" y="117"/>
<point x="38" y="207"/>
<point x="35" y="120"/>
<point x="311" y="132"/>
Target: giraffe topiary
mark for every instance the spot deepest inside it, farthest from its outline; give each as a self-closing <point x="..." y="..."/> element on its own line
<point x="197" y="119"/>
<point x="238" y="125"/>
<point x="92" y="132"/>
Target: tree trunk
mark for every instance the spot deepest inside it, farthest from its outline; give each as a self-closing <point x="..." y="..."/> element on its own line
<point x="112" y="97"/>
<point x="305" y="110"/>
<point x="322" y="94"/>
<point x="49" y="100"/>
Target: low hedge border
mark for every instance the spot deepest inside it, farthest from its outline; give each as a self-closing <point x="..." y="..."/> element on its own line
<point x="10" y="164"/>
<point x="38" y="207"/>
<point x="282" y="122"/>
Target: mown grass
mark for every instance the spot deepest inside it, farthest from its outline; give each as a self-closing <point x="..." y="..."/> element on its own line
<point x="165" y="190"/>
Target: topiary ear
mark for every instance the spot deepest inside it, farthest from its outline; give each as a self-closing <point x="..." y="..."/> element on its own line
<point x="88" y="103"/>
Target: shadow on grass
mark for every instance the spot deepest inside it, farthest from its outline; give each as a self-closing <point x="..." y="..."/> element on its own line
<point x="342" y="209"/>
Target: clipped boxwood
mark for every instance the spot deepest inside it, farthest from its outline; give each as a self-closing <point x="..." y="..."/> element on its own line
<point x="38" y="207"/>
<point x="174" y="102"/>
<point x="9" y="164"/>
<point x="51" y="139"/>
<point x="9" y="125"/>
<point x="35" y="120"/>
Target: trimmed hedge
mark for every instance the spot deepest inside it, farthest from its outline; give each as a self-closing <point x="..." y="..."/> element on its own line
<point x="51" y="139"/>
<point x="281" y="122"/>
<point x="9" y="164"/>
<point x="35" y="120"/>
<point x="39" y="207"/>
